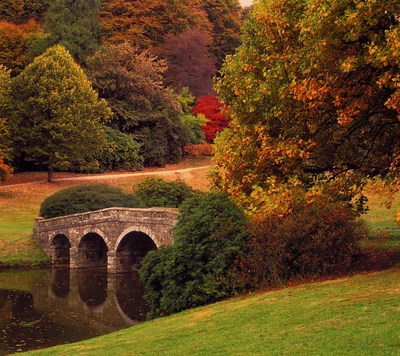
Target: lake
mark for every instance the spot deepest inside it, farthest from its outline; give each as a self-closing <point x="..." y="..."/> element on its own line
<point x="44" y="308"/>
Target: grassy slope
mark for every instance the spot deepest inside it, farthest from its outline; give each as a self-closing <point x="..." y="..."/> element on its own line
<point x="353" y="316"/>
<point x="19" y="206"/>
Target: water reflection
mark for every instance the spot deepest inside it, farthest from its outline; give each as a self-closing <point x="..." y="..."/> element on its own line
<point x="67" y="306"/>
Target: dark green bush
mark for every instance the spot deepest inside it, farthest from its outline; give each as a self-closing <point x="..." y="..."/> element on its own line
<point x="82" y="198"/>
<point x="202" y="266"/>
<point x="320" y="238"/>
<point x="156" y="192"/>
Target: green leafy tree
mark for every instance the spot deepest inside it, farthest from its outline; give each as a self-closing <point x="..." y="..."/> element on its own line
<point x="122" y="153"/>
<point x="5" y="96"/>
<point x="193" y="123"/>
<point x="55" y="117"/>
<point x="74" y="25"/>
<point x="314" y="97"/>
<point x="83" y="198"/>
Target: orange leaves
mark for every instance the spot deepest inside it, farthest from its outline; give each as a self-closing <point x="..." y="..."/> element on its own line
<point x="309" y="89"/>
<point x="5" y="170"/>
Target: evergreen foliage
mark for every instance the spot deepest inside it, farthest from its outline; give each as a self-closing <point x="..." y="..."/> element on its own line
<point x="225" y="17"/>
<point x="83" y="198"/>
<point x="74" y="25"/>
<point x="202" y="265"/>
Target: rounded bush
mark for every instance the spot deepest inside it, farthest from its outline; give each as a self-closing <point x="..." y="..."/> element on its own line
<point x="156" y="192"/>
<point x="83" y="198"/>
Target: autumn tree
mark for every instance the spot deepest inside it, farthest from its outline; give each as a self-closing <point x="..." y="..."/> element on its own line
<point x="5" y="96"/>
<point x="132" y="83"/>
<point x="190" y="63"/>
<point x="55" y="117"/>
<point x="74" y="25"/>
<point x="21" y="11"/>
<point x="15" y="41"/>
<point x="314" y="97"/>
<point x="146" y="24"/>
<point x="211" y="108"/>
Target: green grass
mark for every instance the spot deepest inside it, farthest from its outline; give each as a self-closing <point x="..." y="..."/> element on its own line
<point x="381" y="222"/>
<point x="349" y="316"/>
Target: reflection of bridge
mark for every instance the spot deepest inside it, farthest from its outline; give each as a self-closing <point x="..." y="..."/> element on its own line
<point x="102" y="302"/>
<point x="116" y="237"/>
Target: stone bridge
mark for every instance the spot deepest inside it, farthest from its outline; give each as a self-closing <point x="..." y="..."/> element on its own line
<point x="116" y="238"/>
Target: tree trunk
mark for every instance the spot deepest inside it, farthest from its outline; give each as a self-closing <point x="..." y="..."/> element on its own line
<point x="50" y="174"/>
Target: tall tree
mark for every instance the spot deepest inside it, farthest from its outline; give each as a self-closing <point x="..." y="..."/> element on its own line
<point x="55" y="117"/>
<point x="189" y="62"/>
<point x="74" y="25"/>
<point x="225" y="17"/>
<point x="5" y="96"/>
<point x="315" y="99"/>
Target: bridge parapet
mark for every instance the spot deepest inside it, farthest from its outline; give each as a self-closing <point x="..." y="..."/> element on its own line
<point x="155" y="215"/>
<point x="65" y="235"/>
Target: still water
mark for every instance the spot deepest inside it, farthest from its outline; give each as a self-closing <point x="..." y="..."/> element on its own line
<point x="40" y="309"/>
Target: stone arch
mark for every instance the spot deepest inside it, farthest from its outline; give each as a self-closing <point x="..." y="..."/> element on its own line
<point x="97" y="231"/>
<point x="131" y="249"/>
<point x="59" y="249"/>
<point x="138" y="228"/>
<point x="92" y="250"/>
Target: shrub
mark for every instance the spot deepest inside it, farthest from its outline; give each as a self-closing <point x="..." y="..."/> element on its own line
<point x="122" y="153"/>
<point x="82" y="198"/>
<point x="202" y="266"/>
<point x="319" y="238"/>
<point x="201" y="149"/>
<point x="156" y="192"/>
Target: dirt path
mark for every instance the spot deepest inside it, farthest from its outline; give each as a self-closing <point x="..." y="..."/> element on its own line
<point x="110" y="176"/>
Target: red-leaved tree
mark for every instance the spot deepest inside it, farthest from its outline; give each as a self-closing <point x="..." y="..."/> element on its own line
<point x="211" y="108"/>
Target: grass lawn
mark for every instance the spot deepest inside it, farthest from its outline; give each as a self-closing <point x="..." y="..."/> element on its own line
<point x="381" y="221"/>
<point x="348" y="316"/>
